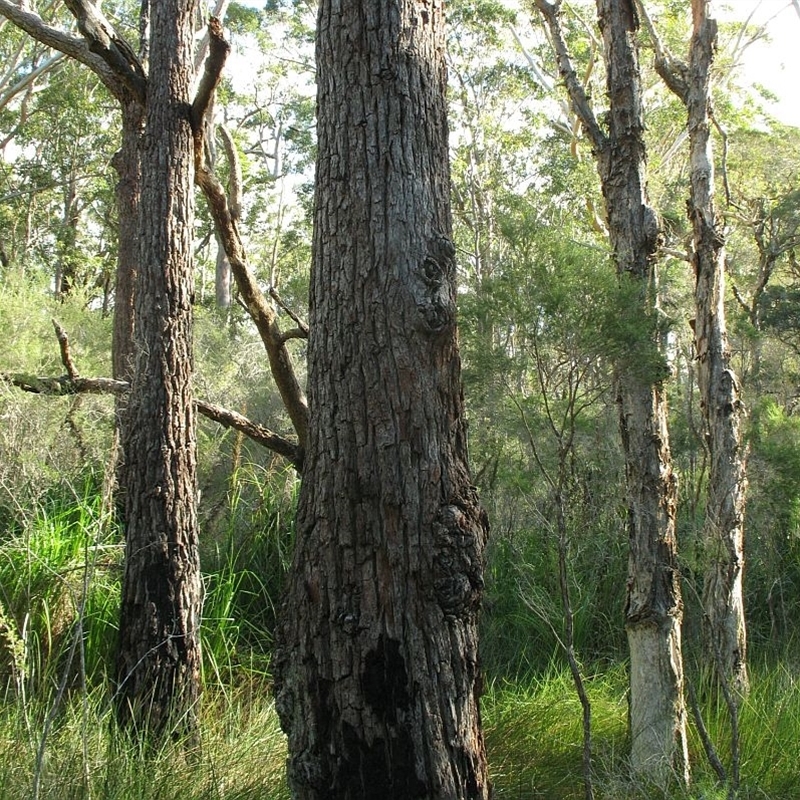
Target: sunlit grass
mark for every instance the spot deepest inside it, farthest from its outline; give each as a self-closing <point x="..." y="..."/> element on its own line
<point x="242" y="755"/>
<point x="59" y="586"/>
<point x="533" y="737"/>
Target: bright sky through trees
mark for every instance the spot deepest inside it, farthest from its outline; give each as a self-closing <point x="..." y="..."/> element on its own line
<point x="774" y="60"/>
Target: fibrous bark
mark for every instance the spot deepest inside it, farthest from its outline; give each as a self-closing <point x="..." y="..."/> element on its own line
<point x="376" y="667"/>
<point x="722" y="408"/>
<point x="723" y="597"/>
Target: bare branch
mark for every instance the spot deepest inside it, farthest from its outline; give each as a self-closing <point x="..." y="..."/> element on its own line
<point x="260" y="310"/>
<point x="674" y="72"/>
<point x="258" y="433"/>
<point x="66" y="355"/>
<point x="302" y="326"/>
<point x="109" y="45"/>
<point x="579" y="99"/>
<point x="73" y="46"/>
<point x="219" y="11"/>
<point x="65" y="385"/>
<point x="235" y="177"/>
<point x="23" y="83"/>
<point x="218" y="51"/>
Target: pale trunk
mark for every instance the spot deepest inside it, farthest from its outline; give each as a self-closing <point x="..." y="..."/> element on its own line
<point x="719" y="392"/>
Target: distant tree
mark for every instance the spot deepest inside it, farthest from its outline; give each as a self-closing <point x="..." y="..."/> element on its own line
<point x="654" y="607"/>
<point x="376" y="667"/>
<point x="722" y="408"/>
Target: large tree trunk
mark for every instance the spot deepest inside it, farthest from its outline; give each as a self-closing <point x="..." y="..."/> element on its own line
<point x="376" y="670"/>
<point x="654" y="609"/>
<point x="159" y="653"/>
<point x="719" y="392"/>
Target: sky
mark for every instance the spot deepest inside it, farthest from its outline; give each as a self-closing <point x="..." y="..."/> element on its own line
<point x="774" y="63"/>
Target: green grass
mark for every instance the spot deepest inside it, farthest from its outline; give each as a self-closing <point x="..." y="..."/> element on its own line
<point x="532" y="729"/>
<point x="534" y="738"/>
<point x="59" y="595"/>
<point x="242" y="755"/>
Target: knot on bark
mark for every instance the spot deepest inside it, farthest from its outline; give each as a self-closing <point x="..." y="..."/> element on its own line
<point x="459" y="533"/>
<point x="433" y="285"/>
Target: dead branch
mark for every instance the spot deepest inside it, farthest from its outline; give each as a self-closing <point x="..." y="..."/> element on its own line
<point x="301" y="332"/>
<point x="73" y="384"/>
<point x="673" y="71"/>
<point x="258" y="433"/>
<point x="218" y="51"/>
<point x="259" y="309"/>
<point x="74" y="46"/>
<point x="66" y="355"/>
<point x="64" y="385"/>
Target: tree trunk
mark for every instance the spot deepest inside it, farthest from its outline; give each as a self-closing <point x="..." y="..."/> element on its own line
<point x="376" y="669"/>
<point x="222" y="278"/>
<point x="159" y="652"/>
<point x="654" y="608"/>
<point x="719" y="391"/>
<point x="126" y="163"/>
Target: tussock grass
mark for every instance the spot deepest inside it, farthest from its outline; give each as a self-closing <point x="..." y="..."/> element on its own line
<point x="242" y="754"/>
<point x="59" y="595"/>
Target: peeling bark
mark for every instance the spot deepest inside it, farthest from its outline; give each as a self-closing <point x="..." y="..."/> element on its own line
<point x="654" y="609"/>
<point x="723" y="410"/>
<point x="721" y="405"/>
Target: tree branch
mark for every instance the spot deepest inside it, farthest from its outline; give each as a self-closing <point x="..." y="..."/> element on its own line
<point x="73" y="384"/>
<point x="66" y="355"/>
<point x="674" y="72"/>
<point x="110" y="46"/>
<point x="301" y="332"/>
<point x="23" y="83"/>
<point x="258" y="433"/>
<point x="66" y="43"/>
<point x="579" y="99"/>
<point x="218" y="50"/>
<point x="235" y="177"/>
<point x="65" y="385"/>
<point x="260" y="310"/>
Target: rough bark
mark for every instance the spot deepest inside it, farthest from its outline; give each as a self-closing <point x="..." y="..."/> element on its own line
<point x="126" y="164"/>
<point x="376" y="668"/>
<point x="158" y="666"/>
<point x="654" y="609"/>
